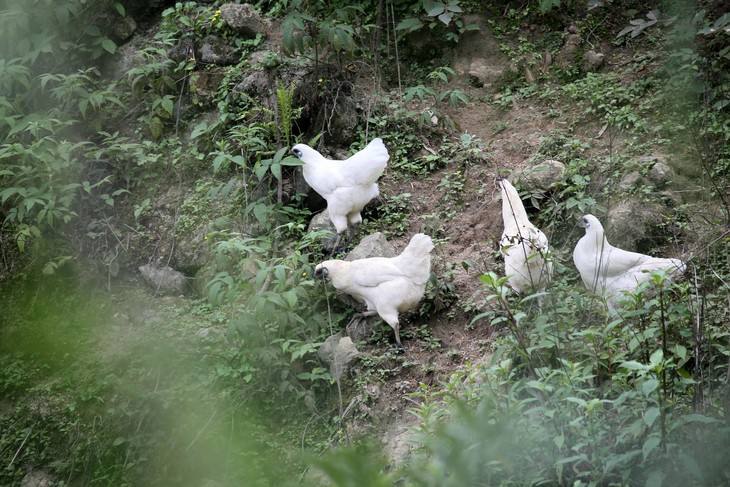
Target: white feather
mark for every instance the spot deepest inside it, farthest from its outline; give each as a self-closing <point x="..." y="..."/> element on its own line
<point x="347" y="185"/>
<point x="523" y="246"/>
<point x="387" y="286"/>
<point x="610" y="272"/>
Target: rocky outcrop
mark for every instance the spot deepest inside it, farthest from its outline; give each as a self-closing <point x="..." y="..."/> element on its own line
<point x="216" y="50"/>
<point x="633" y="224"/>
<point x="204" y="86"/>
<point x="374" y="245"/>
<point x="541" y="176"/>
<point x="164" y="280"/>
<point x="593" y="61"/>
<point x="477" y="56"/>
<point x="338" y="352"/>
<point x="321" y="222"/>
<point x="244" y="19"/>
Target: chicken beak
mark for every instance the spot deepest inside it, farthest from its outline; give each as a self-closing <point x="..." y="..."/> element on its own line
<point x="321" y="273"/>
<point x="581" y="223"/>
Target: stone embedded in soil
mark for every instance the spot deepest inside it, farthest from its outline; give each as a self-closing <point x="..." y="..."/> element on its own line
<point x="204" y="86"/>
<point x="631" y="223"/>
<point x="569" y="51"/>
<point x="244" y="19"/>
<point x="660" y="174"/>
<point x="630" y="181"/>
<point x="338" y="352"/>
<point x="321" y="221"/>
<point x="255" y="85"/>
<point x="592" y="60"/>
<point x="163" y="280"/>
<point x="477" y="56"/>
<point x="374" y="245"/>
<point x="182" y="51"/>
<point x="541" y="176"/>
<point x="123" y="28"/>
<point x="215" y="50"/>
<point x="362" y="330"/>
<point x="38" y="478"/>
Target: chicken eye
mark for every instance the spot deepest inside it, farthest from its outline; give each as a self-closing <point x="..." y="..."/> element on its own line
<point x="297" y="152"/>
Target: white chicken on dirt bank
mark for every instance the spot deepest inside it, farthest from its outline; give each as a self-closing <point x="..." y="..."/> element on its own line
<point x="347" y="185"/>
<point x="523" y="246"/>
<point x="387" y="286"/>
<point x="610" y="272"/>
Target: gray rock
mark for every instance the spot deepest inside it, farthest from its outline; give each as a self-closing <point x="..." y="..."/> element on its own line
<point x="478" y="56"/>
<point x="244" y="19"/>
<point x="569" y="51"/>
<point x="660" y="174"/>
<point x="398" y="441"/>
<point x="631" y="223"/>
<point x="38" y="478"/>
<point x="342" y="123"/>
<point x="125" y="59"/>
<point x="321" y="221"/>
<point x="541" y="176"/>
<point x="592" y="60"/>
<point x="163" y="280"/>
<point x="204" y="86"/>
<point x="123" y="28"/>
<point x="362" y="330"/>
<point x="215" y="50"/>
<point x="375" y="245"/>
<point x="630" y="181"/>
<point x="338" y="352"/>
<point x="255" y="84"/>
<point x="182" y="51"/>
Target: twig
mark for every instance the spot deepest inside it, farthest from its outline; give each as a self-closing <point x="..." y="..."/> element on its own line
<point x="395" y="41"/>
<point x="20" y="447"/>
<point x="200" y="432"/>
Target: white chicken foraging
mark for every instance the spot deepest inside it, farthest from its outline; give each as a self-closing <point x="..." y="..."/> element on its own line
<point x="609" y="271"/>
<point x="387" y="285"/>
<point x="523" y="246"/>
<point x="347" y="185"/>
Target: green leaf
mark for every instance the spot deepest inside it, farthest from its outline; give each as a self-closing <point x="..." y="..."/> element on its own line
<point x="199" y="130"/>
<point x="291" y="161"/>
<point x="168" y="105"/>
<point x="410" y="24"/>
<point x="650" y="445"/>
<point x="433" y="8"/>
<point x="633" y="365"/>
<point x="120" y="8"/>
<point x="650" y="416"/>
<point x="109" y="45"/>
<point x="276" y="171"/>
<point x="654" y="479"/>
<point x="649" y="386"/>
<point x="656" y="357"/>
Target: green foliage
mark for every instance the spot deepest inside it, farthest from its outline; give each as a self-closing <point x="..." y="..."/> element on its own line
<point x="391" y="217"/>
<point x="437" y="15"/>
<point x="608" y="99"/>
<point x="314" y="25"/>
<point x="585" y="398"/>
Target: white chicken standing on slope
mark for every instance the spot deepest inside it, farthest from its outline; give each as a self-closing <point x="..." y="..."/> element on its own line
<point x="524" y="247"/>
<point x="387" y="285"/>
<point x="609" y="271"/>
<point x="346" y="185"/>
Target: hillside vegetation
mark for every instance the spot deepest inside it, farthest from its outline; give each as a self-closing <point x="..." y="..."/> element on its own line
<point x="160" y="320"/>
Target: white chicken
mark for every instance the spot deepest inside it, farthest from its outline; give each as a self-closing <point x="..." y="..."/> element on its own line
<point x="609" y="271"/>
<point x="523" y="246"/>
<point x="347" y="185"/>
<point x="387" y="285"/>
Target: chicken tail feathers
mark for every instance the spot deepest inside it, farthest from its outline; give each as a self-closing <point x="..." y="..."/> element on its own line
<point x="415" y="260"/>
